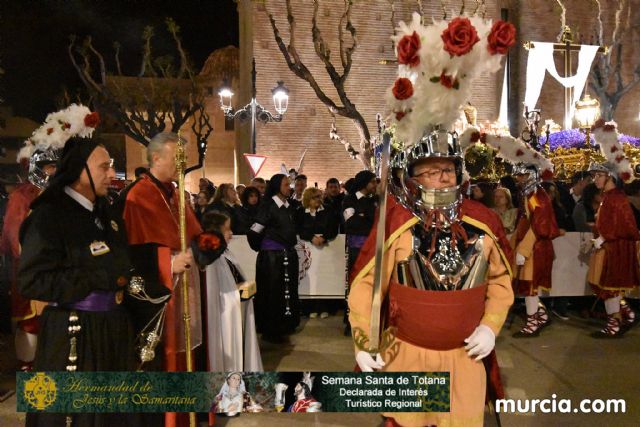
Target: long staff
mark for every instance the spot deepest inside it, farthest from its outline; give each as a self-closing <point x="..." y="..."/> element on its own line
<point x="181" y="163"/>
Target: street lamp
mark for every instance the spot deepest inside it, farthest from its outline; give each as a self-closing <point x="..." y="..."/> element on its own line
<point x="253" y="110"/>
<point x="586" y="114"/>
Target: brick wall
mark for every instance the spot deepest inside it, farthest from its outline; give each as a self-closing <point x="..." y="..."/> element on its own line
<point x="307" y="122"/>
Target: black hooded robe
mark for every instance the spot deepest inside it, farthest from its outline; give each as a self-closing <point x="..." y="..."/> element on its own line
<point x="57" y="266"/>
<point x="276" y="302"/>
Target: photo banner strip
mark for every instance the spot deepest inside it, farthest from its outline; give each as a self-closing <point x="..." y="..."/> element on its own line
<point x="233" y="393"/>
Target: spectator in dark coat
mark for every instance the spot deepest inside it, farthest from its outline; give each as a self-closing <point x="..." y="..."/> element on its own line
<point x="225" y="201"/>
<point x="482" y="192"/>
<point x="333" y="199"/>
<point x="562" y="217"/>
<point x="569" y="198"/>
<point x="202" y="204"/>
<point x="246" y="214"/>
<point x="584" y="214"/>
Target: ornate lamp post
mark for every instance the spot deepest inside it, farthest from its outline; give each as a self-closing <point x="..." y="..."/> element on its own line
<point x="253" y="110"/>
<point x="587" y="112"/>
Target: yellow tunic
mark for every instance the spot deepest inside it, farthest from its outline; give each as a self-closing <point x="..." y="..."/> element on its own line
<point x="468" y="378"/>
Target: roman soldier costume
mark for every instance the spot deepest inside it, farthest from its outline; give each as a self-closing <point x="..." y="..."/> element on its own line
<point x="613" y="266"/>
<point x="535" y="229"/>
<point x="439" y="284"/>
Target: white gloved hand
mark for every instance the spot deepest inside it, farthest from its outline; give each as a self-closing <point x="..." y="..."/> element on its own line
<point x="520" y="259"/>
<point x="367" y="363"/>
<point x="480" y="342"/>
<point x="597" y="243"/>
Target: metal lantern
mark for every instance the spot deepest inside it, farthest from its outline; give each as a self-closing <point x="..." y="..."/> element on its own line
<point x="280" y="97"/>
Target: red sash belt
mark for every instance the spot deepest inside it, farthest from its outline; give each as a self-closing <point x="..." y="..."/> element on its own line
<point x="437" y="320"/>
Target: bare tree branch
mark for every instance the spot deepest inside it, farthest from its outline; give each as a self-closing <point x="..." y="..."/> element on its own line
<point x="185" y="70"/>
<point x="323" y="52"/>
<point x="103" y="69"/>
<point x="334" y="136"/>
<point x="608" y="82"/>
<point x="201" y="128"/>
<point x="146" y="65"/>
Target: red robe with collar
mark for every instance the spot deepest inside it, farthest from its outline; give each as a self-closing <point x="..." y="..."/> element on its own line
<point x="151" y="217"/>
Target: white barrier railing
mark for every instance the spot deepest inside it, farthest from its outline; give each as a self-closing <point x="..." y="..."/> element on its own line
<point x="324" y="277"/>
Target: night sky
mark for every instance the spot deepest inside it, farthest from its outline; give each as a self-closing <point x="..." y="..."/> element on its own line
<point x="35" y="35"/>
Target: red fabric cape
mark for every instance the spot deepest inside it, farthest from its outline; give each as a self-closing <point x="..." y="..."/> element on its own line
<point x="617" y="225"/>
<point x="542" y="220"/>
<point x="149" y="219"/>
<point x="18" y="209"/>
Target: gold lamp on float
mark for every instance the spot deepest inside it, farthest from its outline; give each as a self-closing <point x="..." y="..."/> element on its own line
<point x="586" y="113"/>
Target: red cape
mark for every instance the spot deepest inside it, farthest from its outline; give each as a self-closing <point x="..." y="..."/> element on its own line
<point x="617" y="225"/>
<point x="18" y="208"/>
<point x="542" y="220"/>
<point x="150" y="218"/>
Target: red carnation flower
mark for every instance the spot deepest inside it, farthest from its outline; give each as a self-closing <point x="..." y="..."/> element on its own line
<point x="626" y="176"/>
<point x="403" y="89"/>
<point x="519" y="152"/>
<point x="49" y="131"/>
<point x="208" y="242"/>
<point x="459" y="37"/>
<point x="619" y="158"/>
<point x="91" y="120"/>
<point x="614" y="149"/>
<point x="66" y="125"/>
<point x="408" y="47"/>
<point x="501" y="38"/>
<point x="400" y="115"/>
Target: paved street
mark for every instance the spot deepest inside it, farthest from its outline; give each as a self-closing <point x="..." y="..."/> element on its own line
<point x="564" y="361"/>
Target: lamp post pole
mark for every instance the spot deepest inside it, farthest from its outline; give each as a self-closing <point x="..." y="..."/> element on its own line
<point x="254" y="104"/>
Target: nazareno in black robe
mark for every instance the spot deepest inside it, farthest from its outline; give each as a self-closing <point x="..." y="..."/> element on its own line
<point x="57" y="266"/>
<point x="276" y="302"/>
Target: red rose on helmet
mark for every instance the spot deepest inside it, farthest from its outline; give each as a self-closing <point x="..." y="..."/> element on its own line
<point x="626" y="176"/>
<point x="408" y="47"/>
<point x="501" y="38"/>
<point x="459" y="37"/>
<point x="400" y="115"/>
<point x="403" y="88"/>
<point x="92" y="120"/>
